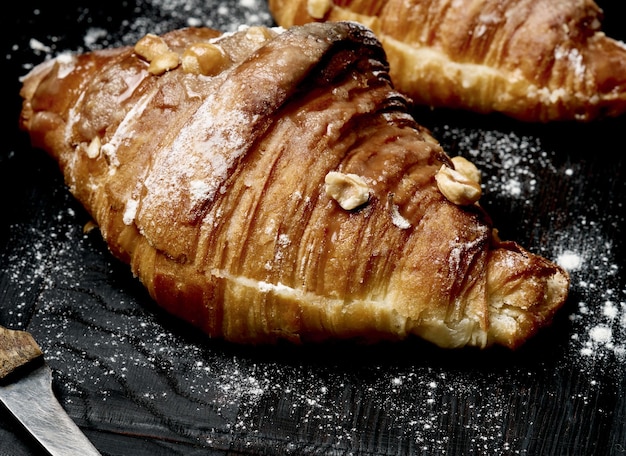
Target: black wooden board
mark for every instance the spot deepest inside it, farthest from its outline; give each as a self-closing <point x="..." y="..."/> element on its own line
<point x="139" y="382"/>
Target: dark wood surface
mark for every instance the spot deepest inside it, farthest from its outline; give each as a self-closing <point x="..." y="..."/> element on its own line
<point x="139" y="382"/>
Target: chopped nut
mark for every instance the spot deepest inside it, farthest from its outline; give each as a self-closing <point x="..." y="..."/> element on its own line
<point x="317" y="9"/>
<point x="164" y="62"/>
<point x="349" y="190"/>
<point x="150" y="46"/>
<point x="460" y="186"/>
<point x="258" y="34"/>
<point x="89" y="226"/>
<point x="467" y="168"/>
<point x="156" y="51"/>
<point x="204" y="58"/>
<point x="93" y="149"/>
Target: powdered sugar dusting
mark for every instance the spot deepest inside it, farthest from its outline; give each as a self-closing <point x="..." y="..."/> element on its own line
<point x="45" y="260"/>
<point x="161" y="16"/>
<point x="570" y="261"/>
<point x="180" y="13"/>
<point x="202" y="153"/>
<point x="130" y="211"/>
<point x="397" y="219"/>
<point x="599" y="318"/>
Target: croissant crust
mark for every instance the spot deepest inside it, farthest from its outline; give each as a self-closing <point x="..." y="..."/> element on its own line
<point x="278" y="189"/>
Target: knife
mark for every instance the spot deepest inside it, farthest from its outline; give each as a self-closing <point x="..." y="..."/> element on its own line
<point x="26" y="390"/>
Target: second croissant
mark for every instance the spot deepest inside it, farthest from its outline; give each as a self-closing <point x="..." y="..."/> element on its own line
<point x="533" y="60"/>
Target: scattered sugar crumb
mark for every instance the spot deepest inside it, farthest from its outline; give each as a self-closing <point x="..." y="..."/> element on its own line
<point x="569" y="260"/>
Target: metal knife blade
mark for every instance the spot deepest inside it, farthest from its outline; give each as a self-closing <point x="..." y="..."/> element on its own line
<point x="28" y="394"/>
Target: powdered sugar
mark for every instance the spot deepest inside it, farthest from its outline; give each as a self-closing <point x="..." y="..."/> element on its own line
<point x="569" y="261"/>
<point x="181" y="13"/>
<point x="202" y="153"/>
<point x="161" y="16"/>
<point x="130" y="211"/>
<point x="599" y="319"/>
<point x="397" y="219"/>
<point x="574" y="59"/>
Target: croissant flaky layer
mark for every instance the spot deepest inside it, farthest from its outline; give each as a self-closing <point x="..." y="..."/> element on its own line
<point x="269" y="184"/>
<point x="534" y="60"/>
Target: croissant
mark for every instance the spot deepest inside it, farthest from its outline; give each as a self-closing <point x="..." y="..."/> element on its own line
<point x="270" y="185"/>
<point x="533" y="60"/>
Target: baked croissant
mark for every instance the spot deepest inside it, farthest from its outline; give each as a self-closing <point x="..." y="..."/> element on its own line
<point x="533" y="60"/>
<point x="269" y="185"/>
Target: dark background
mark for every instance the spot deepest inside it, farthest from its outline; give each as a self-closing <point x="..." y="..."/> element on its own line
<point x="139" y="382"/>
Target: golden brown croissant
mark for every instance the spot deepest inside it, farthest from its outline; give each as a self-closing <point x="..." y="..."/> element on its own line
<point x="269" y="184"/>
<point x="534" y="60"/>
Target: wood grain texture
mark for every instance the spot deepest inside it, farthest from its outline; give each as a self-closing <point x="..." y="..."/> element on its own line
<point x="139" y="382"/>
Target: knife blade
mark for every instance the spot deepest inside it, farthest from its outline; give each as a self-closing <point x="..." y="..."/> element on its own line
<point x="26" y="391"/>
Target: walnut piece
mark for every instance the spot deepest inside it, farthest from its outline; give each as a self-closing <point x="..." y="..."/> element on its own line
<point x="467" y="168"/>
<point x="164" y="62"/>
<point x="349" y="190"/>
<point x="258" y="34"/>
<point x="317" y="9"/>
<point x="460" y="185"/>
<point x="204" y="58"/>
<point x="156" y="51"/>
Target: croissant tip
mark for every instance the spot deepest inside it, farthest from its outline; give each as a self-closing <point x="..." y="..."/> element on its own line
<point x="517" y="318"/>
